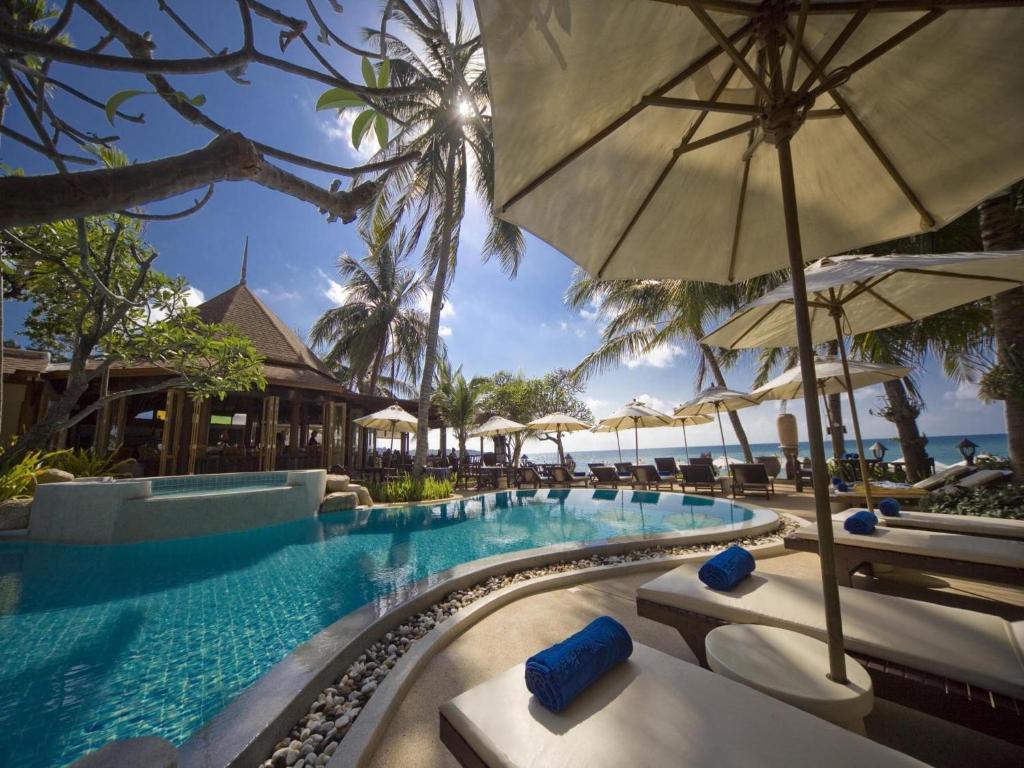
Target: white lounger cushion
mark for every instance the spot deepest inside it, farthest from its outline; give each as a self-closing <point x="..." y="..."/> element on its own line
<point x="654" y="710"/>
<point x="970" y="647"/>
<point x="951" y="546"/>
<point x="972" y="525"/>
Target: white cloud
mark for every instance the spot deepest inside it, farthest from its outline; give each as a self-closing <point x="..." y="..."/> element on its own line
<point x="194" y="297"/>
<point x="595" y="404"/>
<point x="580" y="332"/>
<point x="563" y="326"/>
<point x="339" y="128"/>
<point x="444" y="331"/>
<point x="332" y="289"/>
<point x="660" y="356"/>
<point x="653" y="402"/>
<point x="965" y="397"/>
<point x="447" y="308"/>
<point x="279" y="294"/>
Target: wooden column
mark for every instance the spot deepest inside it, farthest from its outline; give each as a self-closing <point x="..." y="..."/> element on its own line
<point x="101" y="435"/>
<point x="327" y="437"/>
<point x="171" y="438"/>
<point x="119" y="420"/>
<point x="199" y="436"/>
<point x="268" y="433"/>
<point x="293" y="427"/>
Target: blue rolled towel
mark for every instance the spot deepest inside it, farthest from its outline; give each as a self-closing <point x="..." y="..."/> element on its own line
<point x="861" y="523"/>
<point x="559" y="674"/>
<point x="842" y="487"/>
<point x="837" y="480"/>
<point x="889" y="507"/>
<point x="727" y="569"/>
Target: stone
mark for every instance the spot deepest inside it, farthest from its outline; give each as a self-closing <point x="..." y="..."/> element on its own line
<point x="292" y="757"/>
<point x="336" y="483"/>
<point x="339" y="500"/>
<point x="365" y="500"/>
<point x="279" y="759"/>
<point x="53" y="476"/>
<point x="14" y="514"/>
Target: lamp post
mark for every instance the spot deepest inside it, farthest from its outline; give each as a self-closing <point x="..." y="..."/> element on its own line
<point x="967" y="449"/>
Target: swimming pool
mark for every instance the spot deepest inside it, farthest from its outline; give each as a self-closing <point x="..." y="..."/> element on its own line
<point x="109" y="642"/>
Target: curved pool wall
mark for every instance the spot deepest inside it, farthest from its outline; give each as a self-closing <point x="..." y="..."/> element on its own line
<point x="107" y="642"/>
<point x="125" y="511"/>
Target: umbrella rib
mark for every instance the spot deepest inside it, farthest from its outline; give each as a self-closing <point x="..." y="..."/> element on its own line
<point x="692" y="68"/>
<point x="904" y="6"/>
<point x="690" y="133"/>
<point x="747" y="155"/>
<point x="904" y="34"/>
<point x="727" y="45"/>
<point x="697" y="104"/>
<point x="962" y="276"/>
<point x="818" y="70"/>
<point x="889" y="304"/>
<point x="873" y="145"/>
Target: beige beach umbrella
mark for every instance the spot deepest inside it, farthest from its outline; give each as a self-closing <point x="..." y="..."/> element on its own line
<point x="497" y="425"/>
<point x="715" y="400"/>
<point x="559" y="423"/>
<point x="900" y="114"/>
<point x="599" y="429"/>
<point x="833" y="377"/>
<point x="391" y="420"/>
<point x="635" y="415"/>
<point x="689" y="421"/>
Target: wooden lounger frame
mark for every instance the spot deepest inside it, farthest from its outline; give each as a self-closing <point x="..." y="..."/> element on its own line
<point x="971" y="706"/>
<point x="850" y="559"/>
<point x="458" y="746"/>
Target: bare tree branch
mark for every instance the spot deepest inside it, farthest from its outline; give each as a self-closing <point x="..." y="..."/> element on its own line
<point x="37" y="147"/>
<point x="199" y="203"/>
<point x="35" y="73"/>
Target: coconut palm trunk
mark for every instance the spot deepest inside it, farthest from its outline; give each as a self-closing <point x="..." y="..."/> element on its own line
<point x="716" y="374"/>
<point x="444" y="258"/>
<point x="902" y="412"/>
<point x="1000" y="231"/>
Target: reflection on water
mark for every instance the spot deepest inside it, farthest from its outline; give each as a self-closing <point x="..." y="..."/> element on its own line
<point x="104" y="642"/>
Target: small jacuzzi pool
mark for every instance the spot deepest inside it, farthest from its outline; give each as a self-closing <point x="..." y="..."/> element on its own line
<point x="107" y="642"/>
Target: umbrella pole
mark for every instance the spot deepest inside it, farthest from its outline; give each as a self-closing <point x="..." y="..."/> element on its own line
<point x="618" y="445"/>
<point x="721" y="433"/>
<point x="853" y="415"/>
<point x="830" y="586"/>
<point x="636" y="439"/>
<point x="686" y="445"/>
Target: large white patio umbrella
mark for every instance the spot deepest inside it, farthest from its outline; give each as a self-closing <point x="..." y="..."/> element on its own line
<point x="495" y="426"/>
<point x="715" y="400"/>
<point x="391" y="420"/>
<point x="559" y="423"/>
<point x="689" y="421"/>
<point x="680" y="164"/>
<point x="639" y="416"/>
<point x="600" y="428"/>
<point x="831" y="377"/>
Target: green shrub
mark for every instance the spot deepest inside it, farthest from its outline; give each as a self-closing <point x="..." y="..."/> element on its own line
<point x="1005" y="501"/>
<point x="407" y="488"/>
<point x="86" y="462"/>
<point x="18" y="479"/>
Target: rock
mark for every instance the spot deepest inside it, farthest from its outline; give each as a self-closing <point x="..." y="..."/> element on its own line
<point x="341" y="722"/>
<point x="365" y="500"/>
<point x="339" y="500"/>
<point x="370" y="687"/>
<point x="280" y="758"/>
<point x="336" y="483"/>
<point x="54" y="476"/>
<point x="292" y="757"/>
<point x="14" y="514"/>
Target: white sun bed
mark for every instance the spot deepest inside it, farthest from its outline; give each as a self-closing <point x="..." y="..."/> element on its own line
<point x="959" y="665"/>
<point x="970" y="557"/>
<point x="968" y="525"/>
<point x="651" y="711"/>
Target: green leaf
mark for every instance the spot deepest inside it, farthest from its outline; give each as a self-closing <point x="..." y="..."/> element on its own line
<point x="195" y="101"/>
<point x="119" y="98"/>
<point x="384" y="74"/>
<point x="361" y="125"/>
<point x="368" y="74"/>
<point x="380" y="127"/>
<point x="338" y="98"/>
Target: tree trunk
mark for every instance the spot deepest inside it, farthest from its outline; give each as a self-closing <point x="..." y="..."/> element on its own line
<point x="716" y="374"/>
<point x="436" y="301"/>
<point x="903" y="413"/>
<point x="37" y="436"/>
<point x="1000" y="232"/>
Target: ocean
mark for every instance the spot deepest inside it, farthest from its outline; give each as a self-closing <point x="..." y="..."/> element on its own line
<point x="941" y="447"/>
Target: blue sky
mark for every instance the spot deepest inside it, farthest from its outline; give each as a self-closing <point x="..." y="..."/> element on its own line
<point x="491" y="322"/>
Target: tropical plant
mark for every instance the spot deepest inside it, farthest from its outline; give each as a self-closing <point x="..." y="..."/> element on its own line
<point x="457" y="402"/>
<point x="87" y="462"/>
<point x="1005" y="501"/>
<point x="441" y="114"/>
<point x="645" y="315"/>
<point x="18" y="476"/>
<point x="408" y="488"/>
<point x="380" y="328"/>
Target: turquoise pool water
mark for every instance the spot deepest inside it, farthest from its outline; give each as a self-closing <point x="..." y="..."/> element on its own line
<point x="99" y="643"/>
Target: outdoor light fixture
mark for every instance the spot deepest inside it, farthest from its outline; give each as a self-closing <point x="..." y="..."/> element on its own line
<point x="878" y="451"/>
<point x="967" y="449"/>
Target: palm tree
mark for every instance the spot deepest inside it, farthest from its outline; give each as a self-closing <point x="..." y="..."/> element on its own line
<point x="646" y="314"/>
<point x="445" y="121"/>
<point x="380" y="329"/>
<point x="457" y="402"/>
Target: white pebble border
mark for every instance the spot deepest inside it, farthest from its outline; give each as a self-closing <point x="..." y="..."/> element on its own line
<point x="316" y="737"/>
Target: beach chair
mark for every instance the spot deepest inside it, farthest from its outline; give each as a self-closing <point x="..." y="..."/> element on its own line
<point x="748" y="478"/>
<point x="945" y="481"/>
<point x="528" y="476"/>
<point x="958" y="665"/>
<point x="645" y="476"/>
<point x="562" y="476"/>
<point x="625" y="470"/>
<point x="700" y="477"/>
<point x="966" y="525"/>
<point x="968" y="557"/>
<point x="705" y="461"/>
<point x="605" y="476"/>
<point x="667" y="467"/>
<point x="650" y="710"/>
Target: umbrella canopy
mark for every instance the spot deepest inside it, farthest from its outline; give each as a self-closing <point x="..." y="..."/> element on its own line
<point x="558" y="423"/>
<point x="636" y="415"/>
<point x="828" y="372"/>
<point x="497" y="425"/>
<point x="871" y="292"/>
<point x="601" y="428"/>
<point x="714" y="400"/>
<point x="394" y="418"/>
<point x="689" y="421"/>
<point x="901" y="116"/>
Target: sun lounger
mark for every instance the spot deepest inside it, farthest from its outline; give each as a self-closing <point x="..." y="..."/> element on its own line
<point x="969" y="557"/>
<point x="529" y="476"/>
<point x="605" y="476"/>
<point x="955" y="664"/>
<point x="667" y="467"/>
<point x="968" y="525"/>
<point x="562" y="476"/>
<point x="700" y="476"/>
<point x="941" y="482"/>
<point x="948" y="475"/>
<point x="748" y="478"/>
<point x="645" y="476"/>
<point x="705" y="461"/>
<point x="981" y="478"/>
<point x="651" y="710"/>
<point x="625" y="470"/>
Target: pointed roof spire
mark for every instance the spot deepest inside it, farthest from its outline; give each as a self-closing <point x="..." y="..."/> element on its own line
<point x="245" y="261"/>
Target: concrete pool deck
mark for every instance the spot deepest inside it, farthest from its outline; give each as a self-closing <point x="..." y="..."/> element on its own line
<point x="511" y="634"/>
